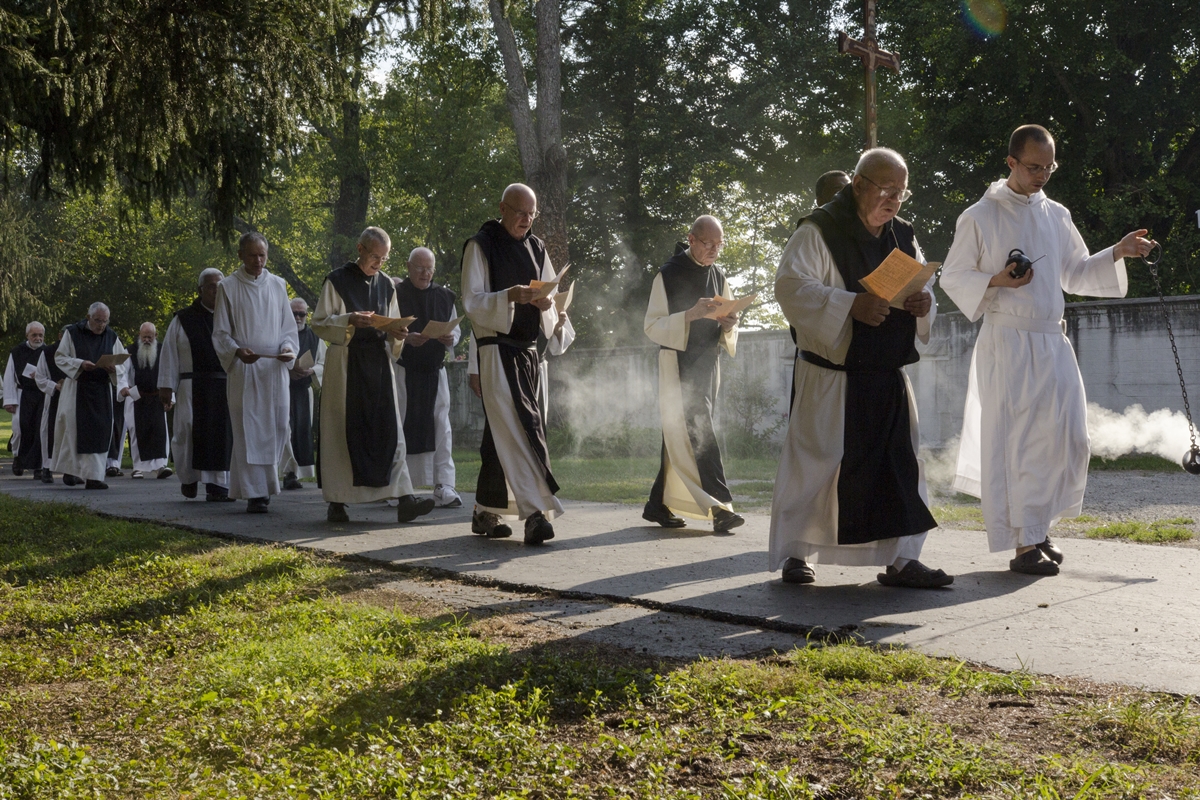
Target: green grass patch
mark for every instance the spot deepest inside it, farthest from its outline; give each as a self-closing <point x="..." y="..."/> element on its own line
<point x="1167" y="530"/>
<point x="620" y="480"/>
<point x="1138" y="461"/>
<point x="962" y="516"/>
<point x="141" y="661"/>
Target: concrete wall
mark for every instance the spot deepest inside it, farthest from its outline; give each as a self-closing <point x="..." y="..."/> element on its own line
<point x="1122" y="346"/>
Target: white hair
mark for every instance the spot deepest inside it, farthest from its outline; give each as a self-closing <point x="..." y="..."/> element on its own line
<point x="147" y="354"/>
<point x="375" y="235"/>
<point x="206" y="272"/>
<point x="299" y="300"/>
<point x="31" y="325"/>
<point x="96" y="306"/>
<point x="422" y="250"/>
<point x="876" y="157"/>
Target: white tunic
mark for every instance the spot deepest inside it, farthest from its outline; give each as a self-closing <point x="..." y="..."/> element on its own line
<point x="176" y="359"/>
<point x="1024" y="447"/>
<point x="255" y="313"/>
<point x="331" y="321"/>
<point x="12" y="396"/>
<point x="682" y="492"/>
<point x="492" y="314"/>
<point x="804" y="508"/>
<point x="88" y="466"/>
<point x="48" y="386"/>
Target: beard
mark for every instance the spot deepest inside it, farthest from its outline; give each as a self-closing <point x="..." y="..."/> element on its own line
<point x="147" y="354"/>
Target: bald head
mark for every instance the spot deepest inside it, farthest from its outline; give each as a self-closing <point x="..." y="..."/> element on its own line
<point x="421" y="263"/>
<point x="518" y="210"/>
<point x="147" y="333"/>
<point x="880" y="186"/>
<point x="705" y="239"/>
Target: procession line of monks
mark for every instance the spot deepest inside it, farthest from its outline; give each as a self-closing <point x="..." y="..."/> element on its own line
<point x="239" y="364"/>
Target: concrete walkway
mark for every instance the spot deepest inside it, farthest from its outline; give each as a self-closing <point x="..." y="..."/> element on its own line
<point x="1118" y="612"/>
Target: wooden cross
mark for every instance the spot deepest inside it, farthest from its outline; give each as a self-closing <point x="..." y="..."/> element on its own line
<point x="868" y="50"/>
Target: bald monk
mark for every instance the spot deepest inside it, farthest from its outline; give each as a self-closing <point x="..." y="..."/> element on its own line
<point x="499" y="262"/>
<point x="691" y="478"/>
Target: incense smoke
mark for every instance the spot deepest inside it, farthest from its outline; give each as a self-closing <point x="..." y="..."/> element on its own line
<point x="1163" y="432"/>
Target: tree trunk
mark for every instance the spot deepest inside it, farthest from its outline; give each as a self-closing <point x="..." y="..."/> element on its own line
<point x="354" y="187"/>
<point x="543" y="157"/>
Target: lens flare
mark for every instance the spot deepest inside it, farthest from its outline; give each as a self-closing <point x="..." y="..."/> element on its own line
<point x="987" y="18"/>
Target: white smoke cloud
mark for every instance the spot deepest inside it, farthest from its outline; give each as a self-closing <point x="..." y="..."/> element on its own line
<point x="1162" y="432"/>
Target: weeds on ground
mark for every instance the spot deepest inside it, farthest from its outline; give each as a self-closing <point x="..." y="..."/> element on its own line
<point x="138" y="661"/>
<point x="1166" y="530"/>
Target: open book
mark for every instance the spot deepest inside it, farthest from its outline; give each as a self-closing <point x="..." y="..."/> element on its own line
<point x="562" y="300"/>
<point x="381" y="322"/>
<point x="726" y="307"/>
<point x="306" y="360"/>
<point x="899" y="277"/>
<point x="546" y="287"/>
<point x="111" y="360"/>
<point x="436" y="329"/>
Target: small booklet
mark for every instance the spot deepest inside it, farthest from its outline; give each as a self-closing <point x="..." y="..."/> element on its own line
<point x="305" y="361"/>
<point x="134" y="394"/>
<point x="546" y="287"/>
<point x="726" y="307"/>
<point x="899" y="277"/>
<point x="112" y="360"/>
<point x="562" y="300"/>
<point x="28" y="371"/>
<point x="250" y="359"/>
<point x="384" y="323"/>
<point x="436" y="329"/>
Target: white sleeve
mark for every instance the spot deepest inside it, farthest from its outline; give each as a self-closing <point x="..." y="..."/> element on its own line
<point x="662" y="327"/>
<point x="963" y="278"/>
<point x="559" y="343"/>
<point x="65" y="358"/>
<point x="925" y="323"/>
<point x="222" y="336"/>
<point x="1098" y="275"/>
<point x="484" y="307"/>
<point x="168" y="360"/>
<point x="472" y="357"/>
<point x="10" y="383"/>
<point x="319" y="363"/>
<point x="729" y="337"/>
<point x="41" y="375"/>
<point x="809" y="290"/>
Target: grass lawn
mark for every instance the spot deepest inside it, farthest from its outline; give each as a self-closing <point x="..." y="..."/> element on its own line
<point x="141" y="661"/>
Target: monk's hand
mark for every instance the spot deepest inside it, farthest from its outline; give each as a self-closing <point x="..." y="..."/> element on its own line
<point x="542" y="303"/>
<point x="699" y="311"/>
<point x="476" y="386"/>
<point x="918" y="304"/>
<point x="416" y="339"/>
<point x="87" y="366"/>
<point x="300" y="372"/>
<point x="727" y="322"/>
<point x="361" y="319"/>
<point x="58" y="386"/>
<point x="166" y="396"/>
<point x="245" y="355"/>
<point x="522" y="294"/>
<point x="11" y="409"/>
<point x="562" y="320"/>
<point x="1006" y="281"/>
<point x="1134" y="245"/>
<point x="447" y="340"/>
<point x="869" y="309"/>
<point x="125" y="393"/>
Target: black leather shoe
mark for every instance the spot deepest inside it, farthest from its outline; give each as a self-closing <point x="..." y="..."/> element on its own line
<point x="725" y="521"/>
<point x="95" y="485"/>
<point x="411" y="507"/>
<point x="71" y="480"/>
<point x="797" y="570"/>
<point x="538" y="529"/>
<point x="663" y="516"/>
<point x="113" y="472"/>
<point x="915" y="575"/>
<point x="1033" y="562"/>
<point x="257" y="505"/>
<point x="291" y="482"/>
<point x="1050" y="549"/>
<point x="189" y="490"/>
<point x="47" y="476"/>
<point x="165" y="473"/>
<point x="18" y="471"/>
<point x="337" y="513"/>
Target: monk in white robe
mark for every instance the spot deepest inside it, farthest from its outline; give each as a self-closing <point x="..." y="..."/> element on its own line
<point x="253" y="324"/>
<point x="362" y="456"/>
<point x="191" y="378"/>
<point x="499" y="263"/>
<point x="24" y="400"/>
<point x="691" y="475"/>
<point x="1024" y="446"/>
<point x="50" y="379"/>
<point x="145" y="414"/>
<point x="83" y="429"/>
<point x="850" y="488"/>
